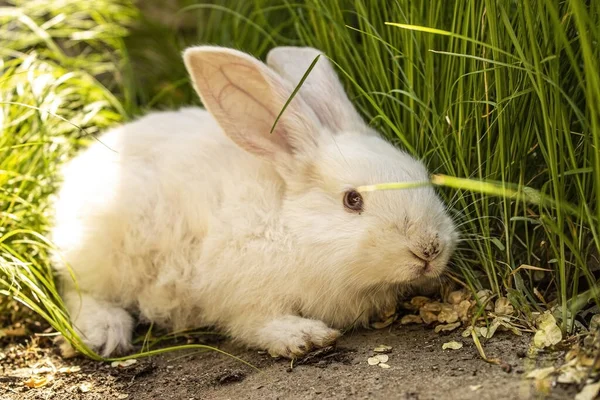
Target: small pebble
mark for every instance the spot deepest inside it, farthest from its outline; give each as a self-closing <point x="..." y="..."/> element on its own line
<point x="382" y="348"/>
<point x="372" y="360"/>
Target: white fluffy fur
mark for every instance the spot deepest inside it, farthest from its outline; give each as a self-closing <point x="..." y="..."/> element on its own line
<point x="191" y="218"/>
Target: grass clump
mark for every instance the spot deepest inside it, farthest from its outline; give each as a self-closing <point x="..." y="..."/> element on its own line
<point x="51" y="103"/>
<point x="494" y="91"/>
<point x="501" y="98"/>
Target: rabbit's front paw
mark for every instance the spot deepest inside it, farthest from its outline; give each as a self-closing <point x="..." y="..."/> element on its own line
<point x="293" y="337"/>
<point x="103" y="327"/>
<point x="108" y="331"/>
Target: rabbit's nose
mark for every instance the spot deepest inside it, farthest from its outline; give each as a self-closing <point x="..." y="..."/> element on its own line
<point x="430" y="250"/>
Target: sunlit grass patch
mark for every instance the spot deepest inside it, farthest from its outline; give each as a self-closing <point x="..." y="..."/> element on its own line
<point x="51" y="103"/>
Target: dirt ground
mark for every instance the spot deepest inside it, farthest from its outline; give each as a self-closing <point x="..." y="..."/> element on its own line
<point x="419" y="369"/>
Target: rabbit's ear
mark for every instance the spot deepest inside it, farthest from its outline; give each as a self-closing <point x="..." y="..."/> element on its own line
<point x="322" y="89"/>
<point x="245" y="97"/>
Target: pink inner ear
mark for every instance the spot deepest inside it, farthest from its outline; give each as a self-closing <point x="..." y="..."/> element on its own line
<point x="250" y="117"/>
<point x="245" y="97"/>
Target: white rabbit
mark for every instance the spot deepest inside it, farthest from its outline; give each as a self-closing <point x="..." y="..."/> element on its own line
<point x="203" y="218"/>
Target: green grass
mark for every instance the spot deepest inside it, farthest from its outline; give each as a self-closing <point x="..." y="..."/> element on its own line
<point x="504" y="93"/>
<point x="51" y="103"/>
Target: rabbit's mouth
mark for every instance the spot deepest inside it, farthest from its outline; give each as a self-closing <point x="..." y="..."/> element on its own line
<point x="427" y="270"/>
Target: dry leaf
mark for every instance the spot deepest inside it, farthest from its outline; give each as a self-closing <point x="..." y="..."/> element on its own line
<point x="447" y="327"/>
<point x="123" y="364"/>
<point x="383" y="324"/>
<point x="481" y="331"/>
<point x="456" y="297"/>
<point x="548" y="333"/>
<point x="383" y="365"/>
<point x="467" y="332"/>
<point x="505" y="322"/>
<point x="382" y="348"/>
<point x="388" y="313"/>
<point x="452" y="345"/>
<point x="503" y="307"/>
<point x="373" y="361"/>
<point x="36" y="382"/>
<point x="540" y="373"/>
<point x="85" y="387"/>
<point x="42" y="370"/>
<point x="462" y="309"/>
<point x="587" y="361"/>
<point x="483" y="295"/>
<point x="433" y="307"/>
<point x="408" y="306"/>
<point x="488" y="332"/>
<point x="573" y="352"/>
<point x="69" y="370"/>
<point x="589" y="392"/>
<point x="447" y="315"/>
<point x="411" y="319"/>
<point x="474" y="388"/>
<point x="419" y="301"/>
<point x="383" y="358"/>
<point x="543" y="386"/>
<point x="427" y="316"/>
<point x="572" y="375"/>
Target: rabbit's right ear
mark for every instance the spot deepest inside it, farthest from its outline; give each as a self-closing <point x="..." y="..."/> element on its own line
<point x="245" y="97"/>
<point x="322" y="89"/>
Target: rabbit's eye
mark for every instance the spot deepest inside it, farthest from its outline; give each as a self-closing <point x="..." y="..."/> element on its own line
<point x="353" y="201"/>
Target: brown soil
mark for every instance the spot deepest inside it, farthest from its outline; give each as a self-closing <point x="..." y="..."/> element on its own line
<point x="419" y="369"/>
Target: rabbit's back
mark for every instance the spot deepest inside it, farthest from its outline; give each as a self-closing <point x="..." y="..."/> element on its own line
<point x="136" y="208"/>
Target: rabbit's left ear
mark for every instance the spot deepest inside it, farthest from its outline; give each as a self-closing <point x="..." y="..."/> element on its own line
<point x="322" y="90"/>
<point x="245" y="97"/>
